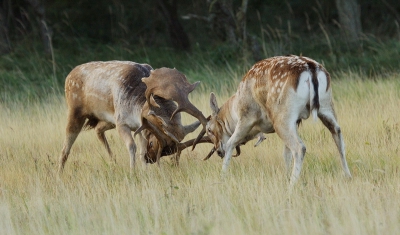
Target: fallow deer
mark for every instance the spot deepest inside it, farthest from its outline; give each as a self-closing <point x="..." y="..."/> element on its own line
<point x="274" y="96"/>
<point x="106" y="95"/>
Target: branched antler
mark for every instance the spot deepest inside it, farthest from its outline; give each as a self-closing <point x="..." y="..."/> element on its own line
<point x="171" y="84"/>
<point x="169" y="87"/>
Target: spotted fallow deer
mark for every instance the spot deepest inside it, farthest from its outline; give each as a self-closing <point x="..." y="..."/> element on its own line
<point x="274" y="96"/>
<point x="106" y="95"/>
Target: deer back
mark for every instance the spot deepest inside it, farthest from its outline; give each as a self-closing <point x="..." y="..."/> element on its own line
<point x="101" y="89"/>
<point x="277" y="80"/>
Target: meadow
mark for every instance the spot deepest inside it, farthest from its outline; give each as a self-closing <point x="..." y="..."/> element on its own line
<point x="94" y="196"/>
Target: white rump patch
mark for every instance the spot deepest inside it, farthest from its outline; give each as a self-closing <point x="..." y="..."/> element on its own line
<point x="322" y="84"/>
<point x="303" y="89"/>
<point x="304" y="94"/>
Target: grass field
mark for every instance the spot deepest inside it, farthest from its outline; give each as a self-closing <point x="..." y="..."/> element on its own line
<point x="96" y="197"/>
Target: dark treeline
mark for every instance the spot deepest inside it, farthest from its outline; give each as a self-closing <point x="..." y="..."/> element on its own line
<point x="41" y="41"/>
<point x="180" y="24"/>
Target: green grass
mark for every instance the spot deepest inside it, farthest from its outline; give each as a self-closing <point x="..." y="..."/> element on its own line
<point x="27" y="73"/>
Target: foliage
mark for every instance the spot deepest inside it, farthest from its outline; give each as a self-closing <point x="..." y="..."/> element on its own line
<point x="134" y="30"/>
<point x="26" y="72"/>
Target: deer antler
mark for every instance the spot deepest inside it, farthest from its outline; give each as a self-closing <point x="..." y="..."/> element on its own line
<point x="213" y="150"/>
<point x="182" y="146"/>
<point x="171" y="84"/>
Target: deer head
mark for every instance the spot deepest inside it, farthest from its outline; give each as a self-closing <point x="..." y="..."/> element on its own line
<point x="163" y="86"/>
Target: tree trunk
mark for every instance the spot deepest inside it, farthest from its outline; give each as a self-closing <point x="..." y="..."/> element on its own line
<point x="45" y="31"/>
<point x="177" y="34"/>
<point x="231" y="27"/>
<point x="4" y="40"/>
<point x="223" y="20"/>
<point x="350" y="19"/>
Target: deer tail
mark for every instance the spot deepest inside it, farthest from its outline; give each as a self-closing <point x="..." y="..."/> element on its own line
<point x="314" y="97"/>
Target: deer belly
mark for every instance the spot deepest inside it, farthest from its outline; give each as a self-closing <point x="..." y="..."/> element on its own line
<point x="105" y="116"/>
<point x="100" y="107"/>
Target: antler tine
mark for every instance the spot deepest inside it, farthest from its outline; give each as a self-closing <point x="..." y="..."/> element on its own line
<point x="209" y="154"/>
<point x="203" y="131"/>
<point x="182" y="146"/>
<point x="171" y="84"/>
<point x="161" y="137"/>
<point x="205" y="139"/>
<point x="213" y="150"/>
<point x="189" y="108"/>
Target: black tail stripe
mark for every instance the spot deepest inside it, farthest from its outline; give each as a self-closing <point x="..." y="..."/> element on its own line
<point x="315" y="85"/>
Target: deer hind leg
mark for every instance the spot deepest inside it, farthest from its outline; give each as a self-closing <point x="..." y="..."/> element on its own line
<point x="294" y="149"/>
<point x="327" y="117"/>
<point x="74" y="127"/>
<point x="100" y="128"/>
<point x="125" y="133"/>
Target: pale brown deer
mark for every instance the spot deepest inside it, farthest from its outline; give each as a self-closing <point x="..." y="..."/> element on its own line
<point x="107" y="95"/>
<point x="274" y="96"/>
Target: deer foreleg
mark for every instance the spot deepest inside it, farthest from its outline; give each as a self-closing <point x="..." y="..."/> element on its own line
<point x="125" y="133"/>
<point x="287" y="154"/>
<point x="142" y="148"/>
<point x="294" y="147"/>
<point x="241" y="130"/>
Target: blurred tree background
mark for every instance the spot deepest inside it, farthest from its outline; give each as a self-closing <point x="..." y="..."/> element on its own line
<point x="41" y="41"/>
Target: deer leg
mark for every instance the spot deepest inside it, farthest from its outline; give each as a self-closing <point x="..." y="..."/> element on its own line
<point x="100" y="128"/>
<point x="295" y="145"/>
<point x="241" y="130"/>
<point x="329" y="120"/>
<point x="143" y="149"/>
<point x="287" y="154"/>
<point x="74" y="127"/>
<point x="125" y="133"/>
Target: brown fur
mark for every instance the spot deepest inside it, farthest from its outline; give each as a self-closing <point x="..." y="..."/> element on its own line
<point x="171" y="85"/>
<point x="106" y="95"/>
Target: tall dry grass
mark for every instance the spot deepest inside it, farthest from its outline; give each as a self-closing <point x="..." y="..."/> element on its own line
<point x="96" y="197"/>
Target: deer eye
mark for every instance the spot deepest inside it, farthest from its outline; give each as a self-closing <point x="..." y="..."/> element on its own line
<point x="151" y="144"/>
<point x="209" y="130"/>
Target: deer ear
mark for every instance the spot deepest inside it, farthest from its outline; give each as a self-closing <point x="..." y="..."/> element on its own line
<point x="213" y="104"/>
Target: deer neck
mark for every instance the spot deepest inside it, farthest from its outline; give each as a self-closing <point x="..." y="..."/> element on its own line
<point x="227" y="115"/>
